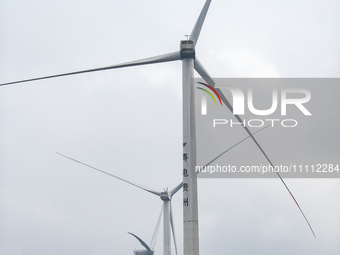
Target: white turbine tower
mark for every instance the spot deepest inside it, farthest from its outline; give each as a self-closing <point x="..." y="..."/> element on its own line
<point x="189" y="62"/>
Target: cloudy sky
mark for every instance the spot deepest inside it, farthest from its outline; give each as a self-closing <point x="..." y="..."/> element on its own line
<point x="128" y="122"/>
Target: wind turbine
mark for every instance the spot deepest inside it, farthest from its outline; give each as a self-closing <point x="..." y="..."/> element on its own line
<point x="190" y="63"/>
<point x="166" y="210"/>
<point x="168" y="222"/>
<point x="165" y="196"/>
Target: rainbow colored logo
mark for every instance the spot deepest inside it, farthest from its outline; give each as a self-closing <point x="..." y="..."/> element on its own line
<point x="204" y="101"/>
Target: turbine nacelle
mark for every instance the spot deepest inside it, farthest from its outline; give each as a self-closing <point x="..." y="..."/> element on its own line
<point x="187" y="49"/>
<point x="166" y="195"/>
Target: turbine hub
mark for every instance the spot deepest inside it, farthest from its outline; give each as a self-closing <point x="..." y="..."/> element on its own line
<point x="187" y="49"/>
<point x="166" y="196"/>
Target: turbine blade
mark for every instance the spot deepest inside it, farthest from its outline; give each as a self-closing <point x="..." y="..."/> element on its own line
<point x="142" y="243"/>
<point x="157" y="59"/>
<point x="173" y="227"/>
<point x="155" y="234"/>
<point x="132" y="183"/>
<point x="199" y="23"/>
<point x="211" y="161"/>
<point x="177" y="188"/>
<point x="226" y="102"/>
<point x="203" y="73"/>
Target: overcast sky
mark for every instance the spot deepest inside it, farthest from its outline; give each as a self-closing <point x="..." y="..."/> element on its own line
<point x="129" y="122"/>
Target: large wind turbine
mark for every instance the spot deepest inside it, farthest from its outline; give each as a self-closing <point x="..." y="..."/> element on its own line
<point x="189" y="63"/>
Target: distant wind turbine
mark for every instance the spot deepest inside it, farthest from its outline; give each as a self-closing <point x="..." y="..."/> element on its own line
<point x="166" y="196"/>
<point x="190" y="63"/>
<point x="150" y="249"/>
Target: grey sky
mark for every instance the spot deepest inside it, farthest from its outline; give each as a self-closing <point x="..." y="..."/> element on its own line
<point x="128" y="122"/>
